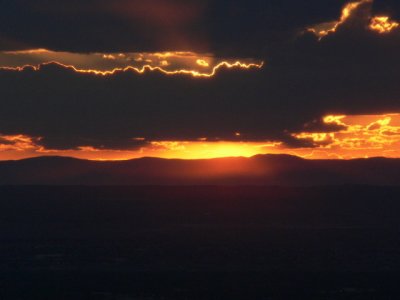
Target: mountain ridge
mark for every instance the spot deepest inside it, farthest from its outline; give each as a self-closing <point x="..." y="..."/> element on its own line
<point x="269" y="169"/>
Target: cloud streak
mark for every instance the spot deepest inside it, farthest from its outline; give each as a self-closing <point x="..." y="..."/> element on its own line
<point x="107" y="64"/>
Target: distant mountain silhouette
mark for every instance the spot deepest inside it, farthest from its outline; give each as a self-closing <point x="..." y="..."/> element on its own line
<point x="282" y="170"/>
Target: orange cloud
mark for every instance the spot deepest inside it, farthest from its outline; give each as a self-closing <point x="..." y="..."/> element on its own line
<point x="17" y="143"/>
<point x="362" y="136"/>
<point x="383" y="24"/>
<point x="18" y="146"/>
<point x="169" y="63"/>
<point x="380" y="24"/>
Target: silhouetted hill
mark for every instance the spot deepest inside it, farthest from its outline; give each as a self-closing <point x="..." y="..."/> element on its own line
<point x="258" y="170"/>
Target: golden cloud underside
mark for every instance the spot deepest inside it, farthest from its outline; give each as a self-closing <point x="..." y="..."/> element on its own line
<point x="168" y="63"/>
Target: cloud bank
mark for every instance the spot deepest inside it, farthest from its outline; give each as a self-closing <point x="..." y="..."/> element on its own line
<point x="350" y="71"/>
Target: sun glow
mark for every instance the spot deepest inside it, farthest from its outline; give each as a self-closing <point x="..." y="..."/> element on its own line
<point x="203" y="149"/>
<point x="168" y="63"/>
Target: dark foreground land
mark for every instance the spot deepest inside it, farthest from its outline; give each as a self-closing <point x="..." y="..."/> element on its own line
<point x="199" y="243"/>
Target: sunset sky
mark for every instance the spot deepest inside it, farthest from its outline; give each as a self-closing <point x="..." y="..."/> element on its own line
<point x="122" y="79"/>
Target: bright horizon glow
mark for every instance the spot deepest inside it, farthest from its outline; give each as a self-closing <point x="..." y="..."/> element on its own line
<point x="359" y="136"/>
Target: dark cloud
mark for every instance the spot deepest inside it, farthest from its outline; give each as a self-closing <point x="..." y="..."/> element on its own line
<point x="387" y="7"/>
<point x="223" y="27"/>
<point x="353" y="71"/>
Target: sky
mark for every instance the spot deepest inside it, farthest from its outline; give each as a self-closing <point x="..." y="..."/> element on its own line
<point x="115" y="80"/>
